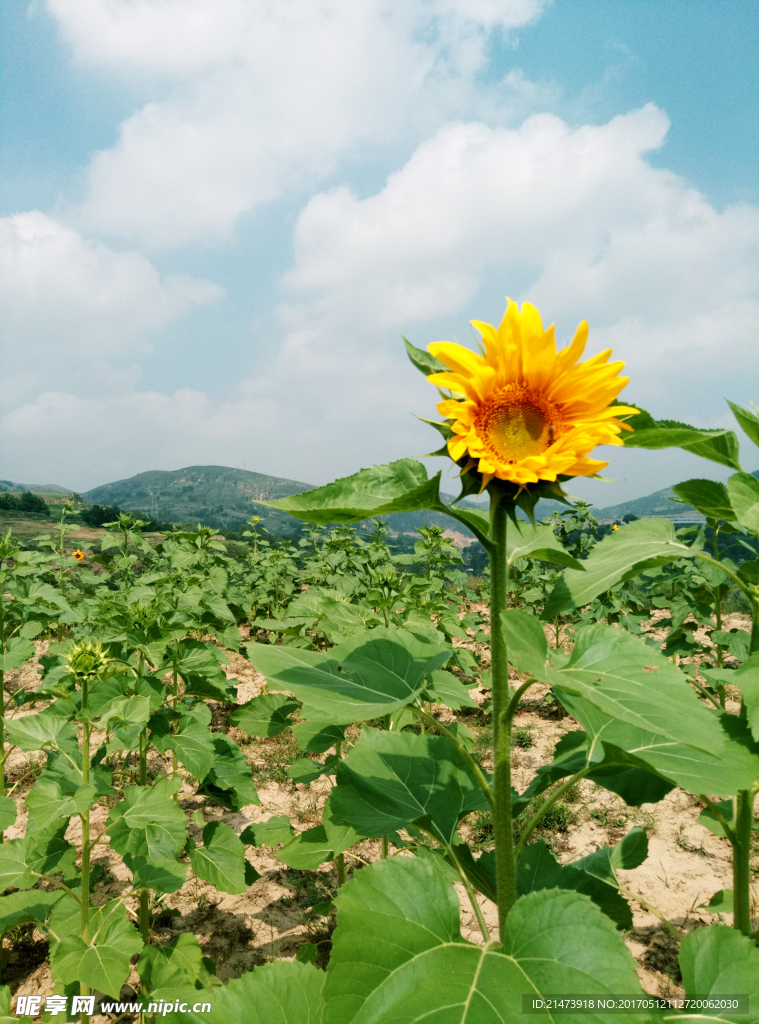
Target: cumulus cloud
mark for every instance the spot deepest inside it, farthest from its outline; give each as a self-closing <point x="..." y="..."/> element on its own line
<point x="74" y="310"/>
<point x="250" y="99"/>
<point x="577" y="216"/>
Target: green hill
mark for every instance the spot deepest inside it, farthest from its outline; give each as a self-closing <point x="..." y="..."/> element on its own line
<point x="213" y="495"/>
<point x="9" y="487"/>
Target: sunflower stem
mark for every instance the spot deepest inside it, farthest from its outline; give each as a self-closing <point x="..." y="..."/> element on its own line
<point x="502" y="813"/>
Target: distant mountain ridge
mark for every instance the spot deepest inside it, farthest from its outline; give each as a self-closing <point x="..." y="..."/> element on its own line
<point x="225" y="497"/>
<point x="9" y="486"/>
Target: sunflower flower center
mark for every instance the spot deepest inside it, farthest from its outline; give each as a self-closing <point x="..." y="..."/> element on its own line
<point x="516" y="425"/>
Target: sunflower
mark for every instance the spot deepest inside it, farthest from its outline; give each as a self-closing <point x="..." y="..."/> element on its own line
<point x="527" y="412"/>
<point x="78" y="554"/>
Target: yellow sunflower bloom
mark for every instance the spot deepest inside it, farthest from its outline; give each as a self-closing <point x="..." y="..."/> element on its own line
<point x="78" y="554"/>
<point x="527" y="412"/>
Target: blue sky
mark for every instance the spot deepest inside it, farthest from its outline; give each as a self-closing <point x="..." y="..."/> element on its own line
<point x="216" y="216"/>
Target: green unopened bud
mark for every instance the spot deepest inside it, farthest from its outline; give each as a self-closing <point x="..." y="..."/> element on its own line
<point x="87" y="658"/>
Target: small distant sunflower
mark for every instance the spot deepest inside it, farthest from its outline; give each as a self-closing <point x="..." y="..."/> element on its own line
<point x="615" y="527"/>
<point x="78" y="554"/>
<point x="528" y="412"/>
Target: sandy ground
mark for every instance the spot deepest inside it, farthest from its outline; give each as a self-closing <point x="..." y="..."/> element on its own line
<point x="686" y="863"/>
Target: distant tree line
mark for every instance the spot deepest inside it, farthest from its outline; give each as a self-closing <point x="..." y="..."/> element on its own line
<point x="23" y="504"/>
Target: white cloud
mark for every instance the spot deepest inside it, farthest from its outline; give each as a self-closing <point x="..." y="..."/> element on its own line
<point x="250" y="98"/>
<point x="577" y="216"/>
<point x="74" y="310"/>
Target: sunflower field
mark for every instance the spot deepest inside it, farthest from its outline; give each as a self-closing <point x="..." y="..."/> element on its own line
<point x="345" y="732"/>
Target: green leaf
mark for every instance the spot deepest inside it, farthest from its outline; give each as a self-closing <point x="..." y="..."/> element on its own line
<point x="22" y="907"/>
<point x="272" y="832"/>
<point x="194" y="747"/>
<point x="307" y="953"/>
<point x="14" y="873"/>
<point x="105" y="963"/>
<point x="744" y="497"/>
<point x="708" y="497"/>
<point x="731" y="765"/>
<point x="445" y="688"/>
<point x="17" y="651"/>
<point x="737" y="642"/>
<point x="401" y="486"/>
<point x="716" y="961"/>
<point x="523" y="540"/>
<point x="398" y="954"/>
<point x="148" y="822"/>
<point x="422" y="360"/>
<point x="230" y="781"/>
<point x="221" y="859"/>
<point x="391" y="779"/>
<point x="525" y="641"/>
<point x="339" y="836"/>
<point x="629" y="681"/>
<point x="178" y="963"/>
<point x="365" y="677"/>
<point x="46" y="803"/>
<point x="306" y="771"/>
<point x="620" y="556"/>
<point x="748" y="420"/>
<point x="278" y="993"/>
<point x="7" y="812"/>
<point x="307" y="850"/>
<point x="721" y="902"/>
<point x="33" y="732"/>
<point x="162" y="874"/>
<point x="48" y="852"/>
<point x="719" y="446"/>
<point x="538" y="869"/>
<point x="268" y="715"/>
<point x="578" y="750"/>
<point x="317" y="735"/>
<point x="746" y="678"/>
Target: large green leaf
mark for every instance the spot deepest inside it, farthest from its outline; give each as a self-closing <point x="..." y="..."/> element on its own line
<point x="641" y="545"/>
<point x="717" y="445"/>
<point x="748" y="420"/>
<point x="391" y="779"/>
<point x="743" y="489"/>
<point x="22" y="907"/>
<point x="278" y="993"/>
<point x="706" y="496"/>
<point x="17" y="651"/>
<point x="578" y="750"/>
<point x="732" y="764"/>
<point x="746" y="678"/>
<point x="194" y="747"/>
<point x="46" y="802"/>
<point x="538" y="869"/>
<point x="221" y="859"/>
<point x="401" y="486"/>
<point x="178" y="963"/>
<point x="398" y="954"/>
<point x="14" y="872"/>
<point x="230" y="780"/>
<point x="49" y="853"/>
<point x="719" y="961"/>
<point x="148" y="822"/>
<point x="317" y="735"/>
<point x="267" y="715"/>
<point x="523" y="540"/>
<point x="47" y="729"/>
<point x="307" y="850"/>
<point x="445" y="688"/>
<point x="104" y="964"/>
<point x="629" y="681"/>
<point x="272" y="832"/>
<point x="526" y="643"/>
<point x="365" y="677"/>
<point x="7" y="812"/>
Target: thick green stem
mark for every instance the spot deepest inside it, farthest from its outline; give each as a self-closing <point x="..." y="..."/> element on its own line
<point x="340" y="865"/>
<point x="502" y="815"/>
<point x="86" y="844"/>
<point x="744" y="819"/>
<point x="144" y="893"/>
<point x="385" y="847"/>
